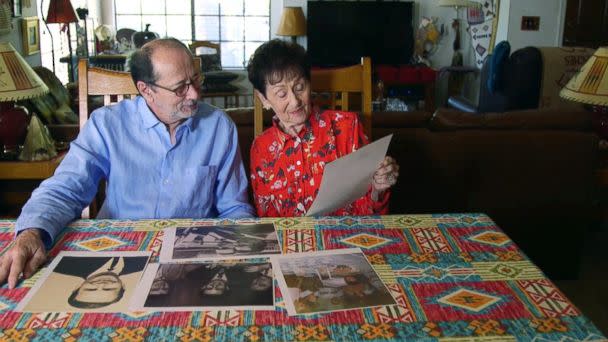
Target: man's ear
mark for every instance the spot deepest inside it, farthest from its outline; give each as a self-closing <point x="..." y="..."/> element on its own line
<point x="262" y="98"/>
<point x="145" y="90"/>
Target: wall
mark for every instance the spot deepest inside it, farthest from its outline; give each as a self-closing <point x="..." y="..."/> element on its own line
<point x="550" y="33"/>
<point x="15" y="36"/>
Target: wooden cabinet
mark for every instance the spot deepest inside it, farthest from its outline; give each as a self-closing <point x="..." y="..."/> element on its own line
<point x="36" y="170"/>
<point x="586" y="23"/>
<point x="18" y="179"/>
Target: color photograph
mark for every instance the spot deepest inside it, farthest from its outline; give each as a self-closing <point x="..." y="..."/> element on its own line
<point x="86" y="282"/>
<point x="219" y="242"/>
<point x="234" y="284"/>
<point x="332" y="280"/>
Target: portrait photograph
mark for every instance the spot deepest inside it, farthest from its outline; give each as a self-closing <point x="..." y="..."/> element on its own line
<point x="219" y="242"/>
<point x="332" y="280"/>
<point x="235" y="284"/>
<point x="86" y="282"/>
<point x="30" y="31"/>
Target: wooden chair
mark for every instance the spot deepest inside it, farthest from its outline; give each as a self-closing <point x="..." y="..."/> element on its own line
<point x="332" y="88"/>
<point x="113" y="86"/>
<point x="209" y="53"/>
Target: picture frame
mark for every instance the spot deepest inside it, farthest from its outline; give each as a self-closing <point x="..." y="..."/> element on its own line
<point x="30" y="30"/>
<point x="16" y="8"/>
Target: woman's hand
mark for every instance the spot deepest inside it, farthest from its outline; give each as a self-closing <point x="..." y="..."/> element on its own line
<point x="385" y="176"/>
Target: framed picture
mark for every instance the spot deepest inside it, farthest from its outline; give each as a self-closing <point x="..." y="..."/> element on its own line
<point x="30" y="31"/>
<point x="16" y="8"/>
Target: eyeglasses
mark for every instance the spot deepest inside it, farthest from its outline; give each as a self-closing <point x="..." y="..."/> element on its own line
<point x="182" y="90"/>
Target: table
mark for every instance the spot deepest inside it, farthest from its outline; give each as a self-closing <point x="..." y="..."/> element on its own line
<point x="453" y="276"/>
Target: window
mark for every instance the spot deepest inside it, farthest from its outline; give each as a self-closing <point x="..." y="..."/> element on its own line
<point x="239" y="26"/>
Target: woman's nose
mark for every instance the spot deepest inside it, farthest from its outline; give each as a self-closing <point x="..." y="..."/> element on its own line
<point x="294" y="98"/>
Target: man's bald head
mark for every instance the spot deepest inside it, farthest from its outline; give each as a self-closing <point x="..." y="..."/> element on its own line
<point x="140" y="61"/>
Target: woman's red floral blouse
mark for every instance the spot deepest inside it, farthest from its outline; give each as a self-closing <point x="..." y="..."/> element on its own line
<point x="286" y="171"/>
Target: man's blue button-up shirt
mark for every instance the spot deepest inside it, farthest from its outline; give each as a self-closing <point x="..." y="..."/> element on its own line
<point x="200" y="176"/>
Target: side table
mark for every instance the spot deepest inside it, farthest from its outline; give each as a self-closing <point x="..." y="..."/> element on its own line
<point x="18" y="179"/>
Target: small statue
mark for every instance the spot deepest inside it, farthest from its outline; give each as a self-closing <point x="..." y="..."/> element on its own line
<point x="426" y="40"/>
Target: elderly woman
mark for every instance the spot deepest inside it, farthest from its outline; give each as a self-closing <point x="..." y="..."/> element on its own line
<point x="288" y="159"/>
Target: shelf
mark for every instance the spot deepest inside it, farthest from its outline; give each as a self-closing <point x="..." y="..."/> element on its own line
<point x="20" y="170"/>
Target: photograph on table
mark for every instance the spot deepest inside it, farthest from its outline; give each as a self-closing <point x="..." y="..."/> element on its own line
<point x="219" y="242"/>
<point x="332" y="280"/>
<point x="246" y="284"/>
<point x="86" y="282"/>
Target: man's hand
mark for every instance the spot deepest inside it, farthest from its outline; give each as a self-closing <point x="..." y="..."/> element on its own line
<point x="385" y="176"/>
<point x="25" y="256"/>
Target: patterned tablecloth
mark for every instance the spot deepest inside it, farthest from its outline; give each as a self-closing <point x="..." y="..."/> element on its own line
<point x="455" y="277"/>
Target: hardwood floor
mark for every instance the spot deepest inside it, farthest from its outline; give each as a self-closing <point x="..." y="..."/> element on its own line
<point x="590" y="292"/>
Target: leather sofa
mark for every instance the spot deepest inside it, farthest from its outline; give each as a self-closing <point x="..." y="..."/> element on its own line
<point x="531" y="171"/>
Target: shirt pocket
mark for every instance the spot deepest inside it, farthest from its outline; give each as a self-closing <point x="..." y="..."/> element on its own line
<point x="197" y="189"/>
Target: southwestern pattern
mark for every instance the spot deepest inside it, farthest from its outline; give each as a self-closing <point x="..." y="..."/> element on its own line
<point x="454" y="277"/>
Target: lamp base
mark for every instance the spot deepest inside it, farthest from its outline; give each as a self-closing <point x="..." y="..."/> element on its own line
<point x="13" y="128"/>
<point x="600" y="121"/>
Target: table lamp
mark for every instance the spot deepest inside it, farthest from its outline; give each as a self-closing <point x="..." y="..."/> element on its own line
<point x="292" y="23"/>
<point x="457" y="4"/>
<point x="17" y="82"/>
<point x="590" y="86"/>
<point x="62" y="12"/>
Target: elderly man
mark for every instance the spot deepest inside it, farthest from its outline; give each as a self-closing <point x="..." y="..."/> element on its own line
<point x="165" y="155"/>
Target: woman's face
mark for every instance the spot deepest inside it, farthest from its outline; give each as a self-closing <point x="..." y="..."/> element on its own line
<point x="290" y="100"/>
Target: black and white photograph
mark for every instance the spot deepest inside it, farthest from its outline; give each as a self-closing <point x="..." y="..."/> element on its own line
<point x="87" y="282"/>
<point x="332" y="280"/>
<point x="219" y="242"/>
<point x="235" y="284"/>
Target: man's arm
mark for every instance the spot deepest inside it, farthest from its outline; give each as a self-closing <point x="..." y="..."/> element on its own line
<point x="57" y="201"/>
<point x="231" y="188"/>
<point x="61" y="198"/>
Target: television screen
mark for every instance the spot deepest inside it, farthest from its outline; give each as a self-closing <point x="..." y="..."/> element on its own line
<point x="341" y="32"/>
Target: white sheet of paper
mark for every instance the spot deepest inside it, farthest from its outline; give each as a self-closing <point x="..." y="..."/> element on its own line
<point x="348" y="178"/>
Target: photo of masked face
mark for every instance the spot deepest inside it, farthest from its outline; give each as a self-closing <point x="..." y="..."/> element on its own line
<point x="83" y="281"/>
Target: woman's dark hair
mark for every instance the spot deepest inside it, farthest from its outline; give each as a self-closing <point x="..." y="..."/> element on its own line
<point x="140" y="61"/>
<point x="274" y="60"/>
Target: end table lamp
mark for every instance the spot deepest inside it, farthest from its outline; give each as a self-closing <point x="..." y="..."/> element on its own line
<point x="457" y="4"/>
<point x="292" y="23"/>
<point x="62" y="12"/>
<point x="590" y="86"/>
<point x="17" y="82"/>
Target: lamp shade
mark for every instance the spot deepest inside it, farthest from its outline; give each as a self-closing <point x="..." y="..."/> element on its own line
<point x="458" y="3"/>
<point x="590" y="84"/>
<point x="61" y="12"/>
<point x="292" y="22"/>
<point x="17" y="79"/>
